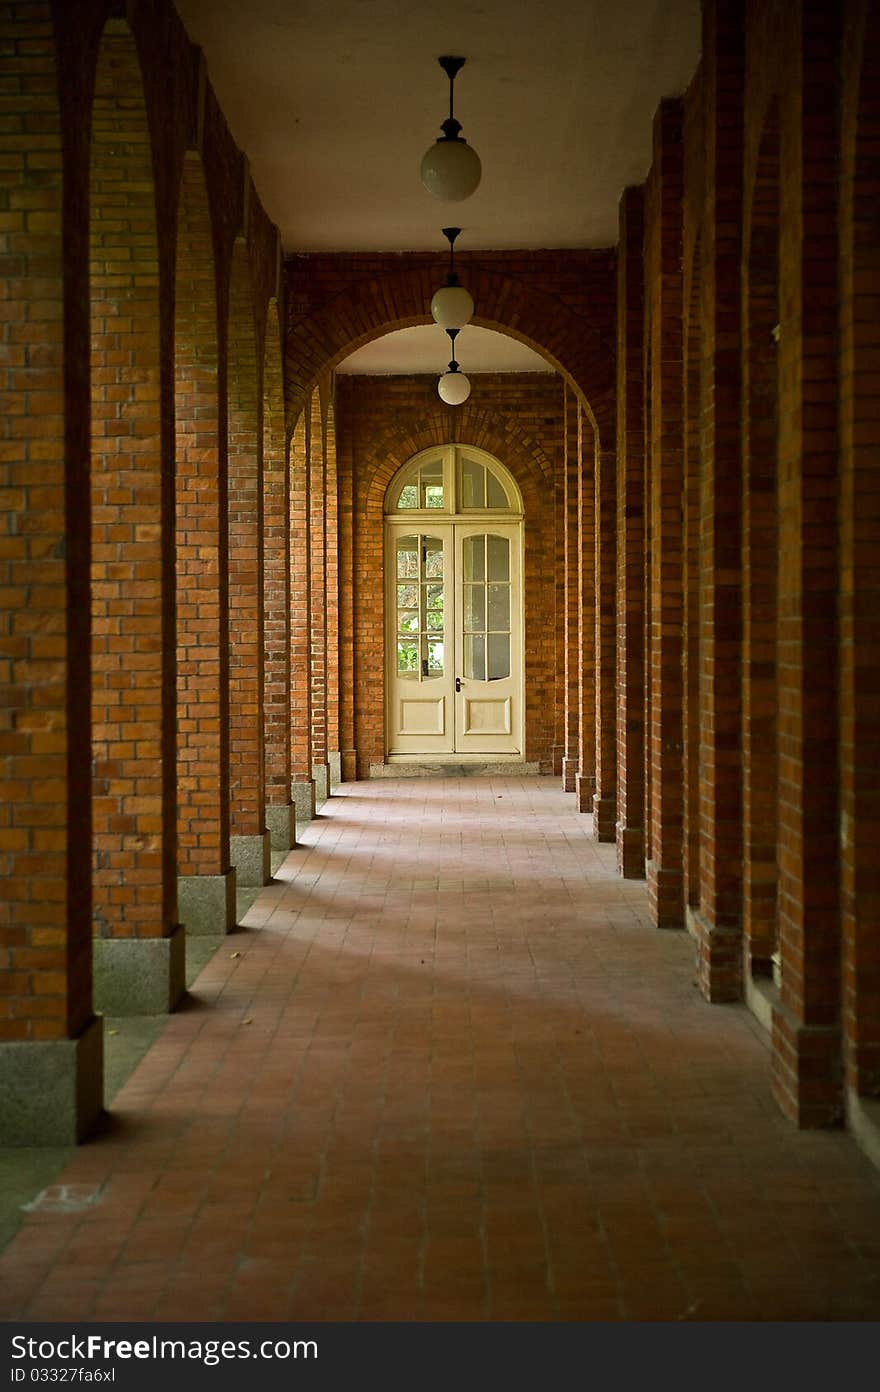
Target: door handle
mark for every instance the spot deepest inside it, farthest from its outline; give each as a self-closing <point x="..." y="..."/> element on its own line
<point x="458" y="683"/>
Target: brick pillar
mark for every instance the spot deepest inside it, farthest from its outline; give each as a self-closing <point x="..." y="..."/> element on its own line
<point x="693" y="409"/>
<point x="807" y="1062"/>
<point x="630" y="537"/>
<point x="280" y="815"/>
<point x="302" y="788"/>
<point x="571" y="472"/>
<point x="605" y="796"/>
<point x="585" y="782"/>
<point x="331" y="553"/>
<point x="51" y="1056"/>
<point x="760" y="558"/>
<point x="206" y="881"/>
<point x="346" y="524"/>
<point x="663" y="225"/>
<point x="318" y="595"/>
<point x="859" y="548"/>
<point x="249" y="840"/>
<point x="717" y="922"/>
<point x="139" y="950"/>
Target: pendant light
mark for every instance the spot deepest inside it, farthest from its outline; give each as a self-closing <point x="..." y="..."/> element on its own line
<point x="452" y="306"/>
<point x="451" y="169"/>
<point x="453" y="387"/>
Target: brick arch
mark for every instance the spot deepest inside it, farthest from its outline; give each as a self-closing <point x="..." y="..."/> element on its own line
<point x="515" y="307"/>
<point x="412" y="431"/>
<point x="245" y="513"/>
<point x="202" y="544"/>
<point x="859" y="543"/>
<point x="133" y="697"/>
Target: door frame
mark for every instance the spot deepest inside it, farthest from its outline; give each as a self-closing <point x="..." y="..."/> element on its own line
<point x="443" y="522"/>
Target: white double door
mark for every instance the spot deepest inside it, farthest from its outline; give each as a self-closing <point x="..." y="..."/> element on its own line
<point x="454" y="638"/>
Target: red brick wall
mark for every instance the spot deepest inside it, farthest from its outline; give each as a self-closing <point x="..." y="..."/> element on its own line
<point x="382" y="423"/>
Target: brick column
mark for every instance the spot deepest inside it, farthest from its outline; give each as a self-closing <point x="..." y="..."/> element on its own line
<point x="663" y="225"/>
<point x="585" y="782"/>
<point x="693" y="409"/>
<point x="318" y="595"/>
<point x="51" y="1054"/>
<point x="571" y="472"/>
<point x="347" y="660"/>
<point x="139" y="949"/>
<point x="630" y="537"/>
<point x="331" y="553"/>
<point x="717" y="922"/>
<point x="859" y="548"/>
<point x="807" y="1064"/>
<point x="249" y="841"/>
<point x="605" y="796"/>
<point x="760" y="555"/>
<point x="280" y="815"/>
<point x="302" y="787"/>
<point x="206" y="881"/>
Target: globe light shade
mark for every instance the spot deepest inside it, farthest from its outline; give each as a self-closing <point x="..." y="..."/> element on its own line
<point x="452" y="307"/>
<point x="451" y="170"/>
<point x="454" y="388"/>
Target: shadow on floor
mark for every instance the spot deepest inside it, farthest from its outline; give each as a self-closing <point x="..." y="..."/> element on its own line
<point x="25" y="1170"/>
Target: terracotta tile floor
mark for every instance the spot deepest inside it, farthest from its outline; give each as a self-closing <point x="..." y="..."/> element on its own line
<point x="448" y="1071"/>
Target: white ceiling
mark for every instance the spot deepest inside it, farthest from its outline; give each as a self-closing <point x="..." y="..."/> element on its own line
<point x="427" y="349"/>
<point x="335" y="102"/>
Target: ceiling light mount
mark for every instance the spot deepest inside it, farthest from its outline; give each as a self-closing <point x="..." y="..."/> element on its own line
<point x="452" y="306"/>
<point x="451" y="169"/>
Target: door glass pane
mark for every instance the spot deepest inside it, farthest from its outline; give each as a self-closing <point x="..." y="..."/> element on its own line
<point x="472" y="484"/>
<point x="474" y="608"/>
<point x="473" y="556"/>
<point x="496" y="496"/>
<point x="475" y="656"/>
<point x="433" y="548"/>
<point x="407" y="658"/>
<point x="407" y="596"/>
<point x="408" y="621"/>
<point x="431" y="484"/>
<point x="435" y="658"/>
<point x="499" y="656"/>
<point x="408" y="558"/>
<point x="499" y="608"/>
<point x="499" y="557"/>
<point x="434" y="597"/>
